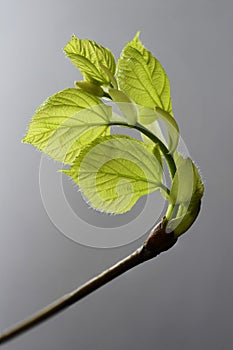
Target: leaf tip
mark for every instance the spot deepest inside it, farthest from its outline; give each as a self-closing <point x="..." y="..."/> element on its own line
<point x="63" y="171"/>
<point x="65" y="48"/>
<point x="137" y="35"/>
<point x="24" y="140"/>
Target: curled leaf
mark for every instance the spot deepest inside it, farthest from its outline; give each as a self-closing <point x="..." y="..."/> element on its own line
<point x="186" y="193"/>
<point x="150" y="118"/>
<point x="90" y="87"/>
<point x="125" y="104"/>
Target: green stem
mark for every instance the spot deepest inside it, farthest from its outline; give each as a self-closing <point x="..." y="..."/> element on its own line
<point x="169" y="211"/>
<point x="170" y="161"/>
<point x="164" y="188"/>
<point x="165" y="151"/>
<point x="155" y="139"/>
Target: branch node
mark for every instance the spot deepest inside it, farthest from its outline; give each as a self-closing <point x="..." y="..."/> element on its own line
<point x="159" y="240"/>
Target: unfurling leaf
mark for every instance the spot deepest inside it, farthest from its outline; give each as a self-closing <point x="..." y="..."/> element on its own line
<point x="90" y="58"/>
<point x="66" y="122"/>
<point x="185" y="218"/>
<point x="125" y="104"/>
<point x="90" y="87"/>
<point x="141" y="76"/>
<point x="150" y="118"/>
<point x="115" y="171"/>
<point x="186" y="193"/>
<point x="187" y="183"/>
<point x="172" y="129"/>
<point x="183" y="183"/>
<point x="110" y="75"/>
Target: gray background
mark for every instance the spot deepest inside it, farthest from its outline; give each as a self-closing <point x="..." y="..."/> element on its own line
<point x="184" y="299"/>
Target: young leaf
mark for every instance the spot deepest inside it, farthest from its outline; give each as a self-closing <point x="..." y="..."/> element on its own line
<point x="110" y="75"/>
<point x="187" y="183"/>
<point x="125" y="104"/>
<point x="90" y="87"/>
<point x="85" y="139"/>
<point x="66" y="122"/>
<point x="185" y="218"/>
<point x="186" y="191"/>
<point x="156" y="130"/>
<point x="141" y="76"/>
<point x="172" y="129"/>
<point x="90" y="58"/>
<point x="148" y="117"/>
<point x="115" y="171"/>
<point x="183" y="183"/>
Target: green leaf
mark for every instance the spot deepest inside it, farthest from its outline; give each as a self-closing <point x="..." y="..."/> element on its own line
<point x="90" y="87"/>
<point x="115" y="171"/>
<point x="66" y="122"/>
<point x="183" y="183"/>
<point x="187" y="183"/>
<point x="141" y="76"/>
<point x="125" y="104"/>
<point x="110" y="75"/>
<point x="85" y="139"/>
<point x="90" y="58"/>
<point x="172" y="129"/>
<point x="156" y="130"/>
<point x="150" y="118"/>
<point x="186" y="192"/>
<point x="185" y="218"/>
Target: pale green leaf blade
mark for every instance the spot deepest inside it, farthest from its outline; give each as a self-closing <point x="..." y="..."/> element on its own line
<point x="110" y="75"/>
<point x="172" y="129"/>
<point x="147" y="115"/>
<point x="156" y="130"/>
<point x="158" y="75"/>
<point x="186" y="192"/>
<point x="90" y="87"/>
<point x="187" y="176"/>
<point x="150" y="118"/>
<point x="85" y="139"/>
<point x="142" y="77"/>
<point x="66" y="122"/>
<point x="115" y="171"/>
<point x="185" y="218"/>
<point x="89" y="57"/>
<point x="125" y="104"/>
<point x="183" y="183"/>
<point x="135" y="81"/>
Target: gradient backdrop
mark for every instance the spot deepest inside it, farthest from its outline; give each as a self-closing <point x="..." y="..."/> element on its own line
<point x="184" y="299"/>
